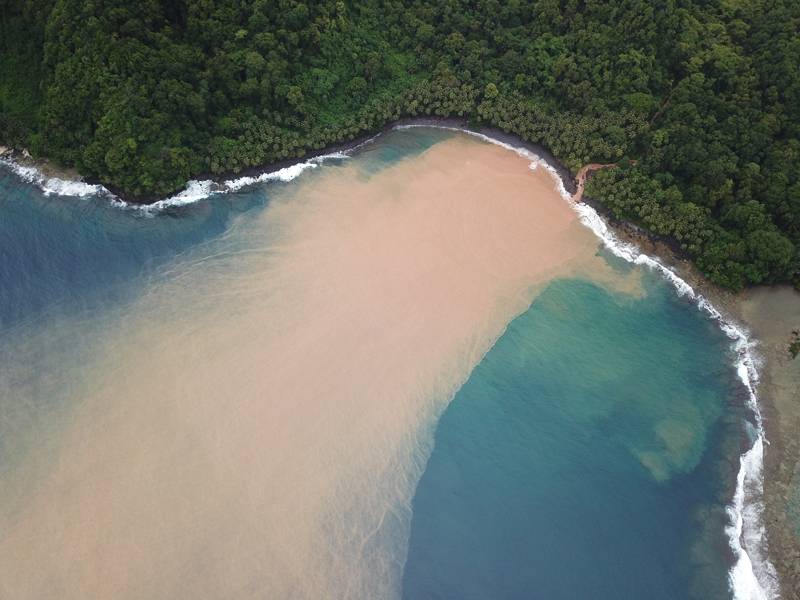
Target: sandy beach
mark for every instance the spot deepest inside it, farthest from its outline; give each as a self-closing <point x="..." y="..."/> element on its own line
<point x="773" y="314"/>
<point x="47" y="168"/>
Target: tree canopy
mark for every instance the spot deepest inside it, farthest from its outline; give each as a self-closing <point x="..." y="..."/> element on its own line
<point x="705" y="94"/>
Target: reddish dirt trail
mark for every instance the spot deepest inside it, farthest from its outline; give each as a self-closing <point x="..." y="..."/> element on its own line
<point x="583" y="175"/>
<point x="660" y="110"/>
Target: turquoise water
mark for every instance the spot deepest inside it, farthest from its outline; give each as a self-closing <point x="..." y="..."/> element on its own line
<point x="583" y="458"/>
<point x="589" y="455"/>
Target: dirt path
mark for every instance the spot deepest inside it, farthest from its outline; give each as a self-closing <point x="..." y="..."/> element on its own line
<point x="660" y="110"/>
<point x="583" y="174"/>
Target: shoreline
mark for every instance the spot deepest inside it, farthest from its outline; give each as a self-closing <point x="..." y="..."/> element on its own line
<point x="779" y="480"/>
<point x="781" y="468"/>
<point x="220" y="182"/>
<point x="781" y="459"/>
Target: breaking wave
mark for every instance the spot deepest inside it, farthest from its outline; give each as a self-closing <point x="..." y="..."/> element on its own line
<point x="53" y="186"/>
<point x="195" y="189"/>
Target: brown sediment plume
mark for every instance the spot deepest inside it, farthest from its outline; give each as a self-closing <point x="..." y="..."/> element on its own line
<point x="254" y="425"/>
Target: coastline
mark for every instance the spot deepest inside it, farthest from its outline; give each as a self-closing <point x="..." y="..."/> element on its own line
<point x="782" y="456"/>
<point x="54" y="179"/>
<point x="778" y="387"/>
<point x="43" y="166"/>
<point x="773" y="314"/>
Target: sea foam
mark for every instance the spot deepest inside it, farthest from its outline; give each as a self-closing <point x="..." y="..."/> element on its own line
<point x="196" y="189"/>
<point x="201" y="189"/>
<point x="53" y="186"/>
<point x="752" y="577"/>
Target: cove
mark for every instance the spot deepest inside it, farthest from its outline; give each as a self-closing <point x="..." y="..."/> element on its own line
<point x="585" y="457"/>
<point x="237" y="398"/>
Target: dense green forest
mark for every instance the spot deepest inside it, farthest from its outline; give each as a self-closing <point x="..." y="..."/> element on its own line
<point x="704" y="94"/>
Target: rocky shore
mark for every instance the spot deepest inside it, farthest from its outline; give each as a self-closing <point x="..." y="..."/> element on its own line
<point x="772" y="317"/>
<point x="45" y="167"/>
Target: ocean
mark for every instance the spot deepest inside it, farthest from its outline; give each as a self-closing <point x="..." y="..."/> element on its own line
<point x="407" y="373"/>
<point x="584" y="458"/>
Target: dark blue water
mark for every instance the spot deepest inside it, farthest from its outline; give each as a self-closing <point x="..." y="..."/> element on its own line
<point x="64" y="250"/>
<point x="583" y="458"/>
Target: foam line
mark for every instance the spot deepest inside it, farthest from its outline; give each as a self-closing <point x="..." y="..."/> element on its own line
<point x="202" y="189"/>
<point x="53" y="186"/>
<point x="195" y="189"/>
<point x="752" y="577"/>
